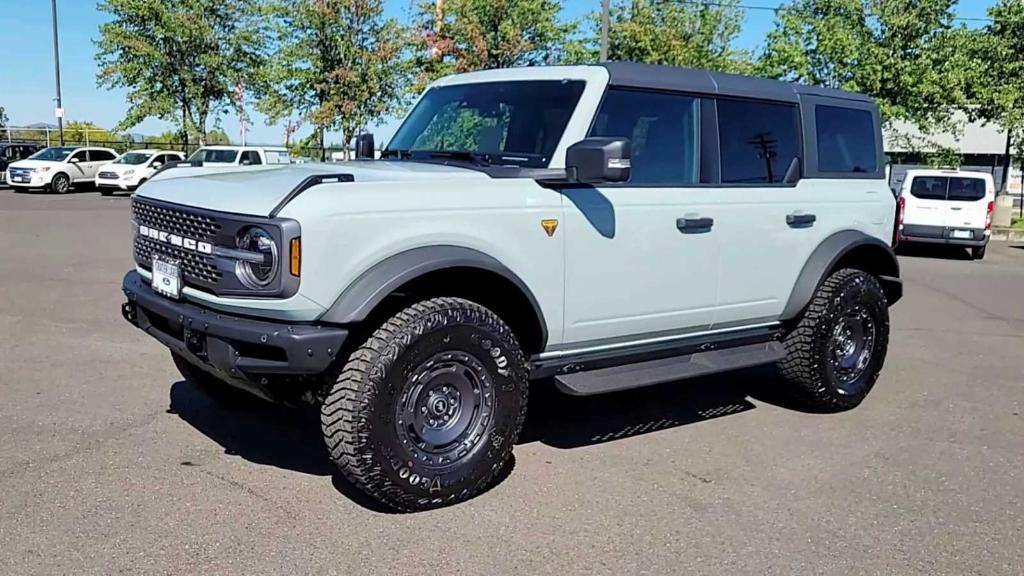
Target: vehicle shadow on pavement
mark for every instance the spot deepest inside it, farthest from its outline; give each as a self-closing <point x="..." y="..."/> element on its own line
<point x="564" y="421"/>
<point x="264" y="433"/>
<point x="289" y="438"/>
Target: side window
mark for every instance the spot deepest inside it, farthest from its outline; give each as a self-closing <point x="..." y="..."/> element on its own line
<point x="101" y="156"/>
<point x="846" y="140"/>
<point x="966" y="189"/>
<point x="251" y="157"/>
<point x="929" y="187"/>
<point x="663" y="130"/>
<point x="81" y="156"/>
<point x="758" y="141"/>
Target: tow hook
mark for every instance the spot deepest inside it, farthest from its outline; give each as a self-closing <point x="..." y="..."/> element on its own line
<point x="129" y="312"/>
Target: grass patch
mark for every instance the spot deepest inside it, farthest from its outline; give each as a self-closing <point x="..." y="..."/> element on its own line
<point x="1017" y="222"/>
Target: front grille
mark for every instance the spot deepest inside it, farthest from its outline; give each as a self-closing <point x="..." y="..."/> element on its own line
<point x="199" y="270"/>
<point x="195" y="268"/>
<point x="196" y="226"/>
<point x="20" y="172"/>
<point x="108" y="175"/>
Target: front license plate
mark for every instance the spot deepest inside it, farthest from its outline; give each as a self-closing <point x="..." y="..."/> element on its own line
<point x="166" y="277"/>
<point x="17" y="179"/>
<point x="963" y="234"/>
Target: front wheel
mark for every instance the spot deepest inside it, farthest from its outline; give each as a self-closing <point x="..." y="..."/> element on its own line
<point x="60" y="184"/>
<point x="426" y="411"/>
<point x="835" y="353"/>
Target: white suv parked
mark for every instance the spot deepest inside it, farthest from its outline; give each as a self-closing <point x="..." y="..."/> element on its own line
<point x="132" y="169"/>
<point x="947" y="207"/>
<point x="609" y="226"/>
<point x="58" y="168"/>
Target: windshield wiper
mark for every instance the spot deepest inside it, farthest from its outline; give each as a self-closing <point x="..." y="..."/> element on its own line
<point x="397" y="153"/>
<point x="477" y="157"/>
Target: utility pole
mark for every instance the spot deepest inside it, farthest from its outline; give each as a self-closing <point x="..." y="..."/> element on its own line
<point x="56" y="65"/>
<point x="604" y="30"/>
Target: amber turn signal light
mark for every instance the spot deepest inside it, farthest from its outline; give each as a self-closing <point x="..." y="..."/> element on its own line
<point x="296" y="256"/>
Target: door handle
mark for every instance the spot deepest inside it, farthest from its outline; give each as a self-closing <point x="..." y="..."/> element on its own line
<point x="694" y="224"/>
<point x="796" y="220"/>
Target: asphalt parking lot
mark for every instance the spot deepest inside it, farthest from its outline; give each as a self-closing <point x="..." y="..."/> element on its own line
<point x="110" y="464"/>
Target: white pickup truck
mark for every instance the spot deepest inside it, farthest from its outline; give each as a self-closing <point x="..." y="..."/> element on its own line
<point x="240" y="155"/>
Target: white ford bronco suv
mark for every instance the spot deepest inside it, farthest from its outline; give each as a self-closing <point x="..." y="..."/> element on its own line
<point x="608" y="226"/>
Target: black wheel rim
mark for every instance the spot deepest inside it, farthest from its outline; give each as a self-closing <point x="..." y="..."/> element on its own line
<point x="445" y="408"/>
<point x="851" y="347"/>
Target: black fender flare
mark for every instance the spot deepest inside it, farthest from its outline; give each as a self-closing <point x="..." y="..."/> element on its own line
<point x="359" y="299"/>
<point x="824" y="259"/>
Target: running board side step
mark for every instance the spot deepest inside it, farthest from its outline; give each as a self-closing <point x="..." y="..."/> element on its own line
<point x="663" y="370"/>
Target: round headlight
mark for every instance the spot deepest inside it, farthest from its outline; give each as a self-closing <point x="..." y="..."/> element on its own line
<point x="257" y="274"/>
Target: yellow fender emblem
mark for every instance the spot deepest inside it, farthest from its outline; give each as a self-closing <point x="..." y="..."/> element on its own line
<point x="549" y="225"/>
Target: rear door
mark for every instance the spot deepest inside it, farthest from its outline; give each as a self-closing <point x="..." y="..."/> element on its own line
<point x="925" y="203"/>
<point x="966" y="205"/>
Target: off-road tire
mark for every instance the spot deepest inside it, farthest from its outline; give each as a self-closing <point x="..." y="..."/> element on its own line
<point x="363" y="424"/>
<point x="214" y="388"/>
<point x="60" y="184"/>
<point x="978" y="253"/>
<point x="807" y="369"/>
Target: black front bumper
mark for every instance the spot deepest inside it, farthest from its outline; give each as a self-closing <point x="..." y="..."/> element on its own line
<point x="243" y="351"/>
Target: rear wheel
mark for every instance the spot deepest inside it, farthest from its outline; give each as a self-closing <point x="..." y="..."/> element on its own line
<point x="426" y="411"/>
<point x="60" y="184"/>
<point x="836" y="351"/>
<point x="978" y="252"/>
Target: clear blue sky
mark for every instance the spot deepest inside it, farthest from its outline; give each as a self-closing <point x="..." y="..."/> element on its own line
<point x="29" y="60"/>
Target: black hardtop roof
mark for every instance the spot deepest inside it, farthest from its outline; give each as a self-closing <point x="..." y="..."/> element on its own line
<point x="659" y="77"/>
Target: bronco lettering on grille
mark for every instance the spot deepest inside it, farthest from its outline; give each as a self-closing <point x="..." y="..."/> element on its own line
<point x="176" y="240"/>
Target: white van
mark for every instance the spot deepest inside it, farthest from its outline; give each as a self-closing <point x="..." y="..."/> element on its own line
<point x="947" y="207"/>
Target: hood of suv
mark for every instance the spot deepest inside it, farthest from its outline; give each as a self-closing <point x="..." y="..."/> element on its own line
<point x="257" y="190"/>
<point x="33" y="164"/>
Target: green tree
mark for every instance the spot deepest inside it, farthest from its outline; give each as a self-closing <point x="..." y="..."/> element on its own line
<point x="996" y="84"/>
<point x="669" y="32"/>
<point x="464" y="35"/>
<point x="904" y="53"/>
<point x="337" y="64"/>
<point x="82" y="132"/>
<point x="173" y="139"/>
<point x="180" y="61"/>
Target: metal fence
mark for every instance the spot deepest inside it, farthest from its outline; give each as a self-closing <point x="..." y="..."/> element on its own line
<point x="124" y="142"/>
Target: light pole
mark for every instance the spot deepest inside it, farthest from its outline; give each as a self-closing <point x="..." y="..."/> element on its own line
<point x="56" y="66"/>
<point x="604" y="30"/>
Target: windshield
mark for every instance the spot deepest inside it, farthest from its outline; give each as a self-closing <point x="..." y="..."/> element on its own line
<point x="134" y="158"/>
<point x="215" y="156"/>
<point x="55" y="154"/>
<point x="517" y="123"/>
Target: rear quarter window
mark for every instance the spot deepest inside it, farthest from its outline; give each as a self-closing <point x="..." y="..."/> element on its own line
<point x="929" y="187"/>
<point x="966" y="189"/>
<point x="846" y="140"/>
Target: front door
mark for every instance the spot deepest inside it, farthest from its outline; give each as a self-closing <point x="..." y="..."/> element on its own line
<point x="641" y="258"/>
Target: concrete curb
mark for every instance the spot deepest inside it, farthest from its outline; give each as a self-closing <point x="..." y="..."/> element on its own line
<point x="1008" y="234"/>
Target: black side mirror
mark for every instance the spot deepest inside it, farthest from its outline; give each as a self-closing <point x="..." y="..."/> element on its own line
<point x="598" y="160"/>
<point x="364" y="146"/>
